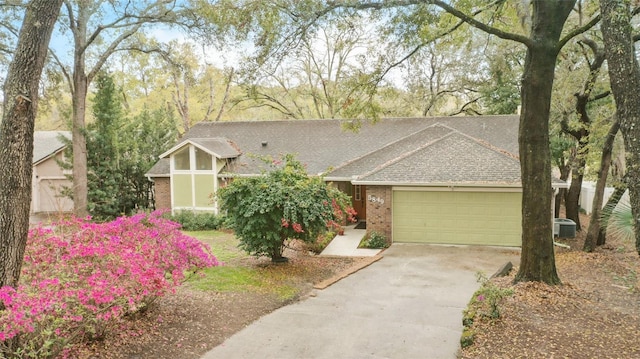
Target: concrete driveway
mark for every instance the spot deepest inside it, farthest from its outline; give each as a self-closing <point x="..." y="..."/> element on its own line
<point x="407" y="305"/>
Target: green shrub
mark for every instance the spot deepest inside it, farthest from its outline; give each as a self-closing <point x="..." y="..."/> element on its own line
<point x="467" y="337"/>
<point x="197" y="221"/>
<point x="281" y="205"/>
<point x="374" y="240"/>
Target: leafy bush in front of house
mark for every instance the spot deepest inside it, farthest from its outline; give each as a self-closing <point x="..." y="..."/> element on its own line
<point x="80" y="279"/>
<point x="197" y="221"/>
<point x="374" y="240"/>
<point x="284" y="203"/>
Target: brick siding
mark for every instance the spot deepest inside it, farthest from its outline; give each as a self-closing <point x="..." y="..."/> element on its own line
<point x="162" y="189"/>
<point x="379" y="210"/>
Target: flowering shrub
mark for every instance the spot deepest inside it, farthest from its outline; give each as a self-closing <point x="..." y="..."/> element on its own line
<point x="285" y="203"/>
<point x="341" y="212"/>
<point x="80" y="278"/>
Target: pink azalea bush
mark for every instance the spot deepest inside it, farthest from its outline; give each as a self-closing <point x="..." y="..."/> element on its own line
<point x="79" y="279"/>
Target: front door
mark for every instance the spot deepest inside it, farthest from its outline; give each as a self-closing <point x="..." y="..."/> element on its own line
<point x="359" y="201"/>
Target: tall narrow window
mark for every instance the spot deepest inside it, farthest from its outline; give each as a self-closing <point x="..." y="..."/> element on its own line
<point x="181" y="159"/>
<point x="357" y="192"/>
<point x="203" y="160"/>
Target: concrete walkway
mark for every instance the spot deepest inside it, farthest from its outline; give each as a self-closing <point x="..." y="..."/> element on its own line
<point x="406" y="305"/>
<point x="347" y="245"/>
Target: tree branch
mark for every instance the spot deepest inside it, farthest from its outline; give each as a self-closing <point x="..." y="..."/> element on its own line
<point x="418" y="47"/>
<point x="482" y="26"/>
<point x="72" y="19"/>
<point x="465" y="109"/>
<point x="64" y="70"/>
<point x="225" y="99"/>
<point x="110" y="50"/>
<point x="577" y="31"/>
<point x="600" y="96"/>
<point x="564" y="126"/>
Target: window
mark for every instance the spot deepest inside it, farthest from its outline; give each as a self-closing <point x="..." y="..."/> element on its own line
<point x="181" y="159"/>
<point x="203" y="160"/>
<point x="357" y="193"/>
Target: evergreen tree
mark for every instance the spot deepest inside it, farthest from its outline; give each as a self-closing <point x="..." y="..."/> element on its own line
<point x="151" y="133"/>
<point x="108" y="196"/>
<point x="120" y="151"/>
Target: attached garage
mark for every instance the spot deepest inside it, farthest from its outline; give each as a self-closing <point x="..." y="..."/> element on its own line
<point x="477" y="216"/>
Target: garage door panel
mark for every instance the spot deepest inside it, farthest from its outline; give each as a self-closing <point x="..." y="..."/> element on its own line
<point x="489" y="218"/>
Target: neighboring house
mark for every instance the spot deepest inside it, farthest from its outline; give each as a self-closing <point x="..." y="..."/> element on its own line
<point x="435" y="180"/>
<point x="48" y="177"/>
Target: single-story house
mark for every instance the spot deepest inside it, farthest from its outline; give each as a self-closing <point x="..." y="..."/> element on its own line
<point x="433" y="180"/>
<point x="49" y="179"/>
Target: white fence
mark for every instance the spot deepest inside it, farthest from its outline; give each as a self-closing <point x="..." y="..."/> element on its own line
<point x="589" y="190"/>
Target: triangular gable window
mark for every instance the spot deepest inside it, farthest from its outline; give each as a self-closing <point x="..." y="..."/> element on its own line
<point x="203" y="160"/>
<point x="181" y="159"/>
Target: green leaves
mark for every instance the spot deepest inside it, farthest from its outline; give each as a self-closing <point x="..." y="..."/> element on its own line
<point x="282" y="204"/>
<point x="120" y="151"/>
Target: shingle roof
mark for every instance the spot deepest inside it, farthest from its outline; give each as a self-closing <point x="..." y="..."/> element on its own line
<point x="452" y="159"/>
<point x="390" y="152"/>
<point x="323" y="145"/>
<point x="221" y="147"/>
<point x="47" y="143"/>
<point x="160" y="169"/>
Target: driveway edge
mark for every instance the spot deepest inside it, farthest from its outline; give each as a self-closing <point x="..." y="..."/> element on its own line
<point x="347" y="272"/>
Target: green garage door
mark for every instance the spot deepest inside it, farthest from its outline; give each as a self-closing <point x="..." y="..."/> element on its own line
<point x="486" y="218"/>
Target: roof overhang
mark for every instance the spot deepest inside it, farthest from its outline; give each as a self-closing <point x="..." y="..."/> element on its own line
<point x="164" y="175"/>
<point x="193" y="143"/>
<point x="337" y="179"/>
<point x="437" y="184"/>
<point x="238" y="175"/>
<point x="52" y="154"/>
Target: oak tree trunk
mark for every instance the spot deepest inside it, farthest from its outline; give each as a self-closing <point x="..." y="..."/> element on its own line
<point x="16" y="134"/>
<point x="605" y="163"/>
<point x="537" y="261"/>
<point x="79" y="105"/>
<point x="572" y="202"/>
<point x="624" y="75"/>
<point x="582" y="134"/>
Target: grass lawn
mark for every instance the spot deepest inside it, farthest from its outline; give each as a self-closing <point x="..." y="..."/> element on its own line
<point x="239" y="272"/>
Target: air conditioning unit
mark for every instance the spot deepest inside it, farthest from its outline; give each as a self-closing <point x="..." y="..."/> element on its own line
<point x="564" y="228"/>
